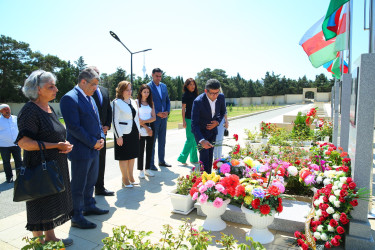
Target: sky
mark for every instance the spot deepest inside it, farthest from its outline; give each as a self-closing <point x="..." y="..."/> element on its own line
<point x="249" y="37"/>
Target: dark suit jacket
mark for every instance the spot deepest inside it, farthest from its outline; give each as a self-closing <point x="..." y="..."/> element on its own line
<point x="105" y="110"/>
<point x="82" y="124"/>
<point x="161" y="103"/>
<point x="201" y="115"/>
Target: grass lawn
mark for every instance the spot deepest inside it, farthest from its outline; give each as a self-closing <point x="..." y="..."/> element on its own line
<point x="175" y="116"/>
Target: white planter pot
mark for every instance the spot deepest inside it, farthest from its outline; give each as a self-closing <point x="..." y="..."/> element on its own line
<point x="213" y="221"/>
<point x="259" y="231"/>
<point x="264" y="140"/>
<point x="306" y="143"/>
<point x="182" y="204"/>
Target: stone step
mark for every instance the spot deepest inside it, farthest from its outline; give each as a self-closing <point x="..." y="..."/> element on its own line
<point x="291" y="219"/>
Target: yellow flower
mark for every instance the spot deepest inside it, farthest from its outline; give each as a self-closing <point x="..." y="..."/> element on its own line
<point x="242" y="180"/>
<point x="216" y="178"/>
<point x="249" y="161"/>
<point x="249" y="189"/>
<point x="248" y="199"/>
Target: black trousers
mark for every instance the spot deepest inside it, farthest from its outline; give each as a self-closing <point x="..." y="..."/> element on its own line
<point x="147" y="141"/>
<point x="206" y="155"/>
<point x="99" y="186"/>
<point x="5" y="154"/>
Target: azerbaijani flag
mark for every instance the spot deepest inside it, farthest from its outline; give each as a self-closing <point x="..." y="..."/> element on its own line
<point x="342" y="28"/>
<point x="331" y="21"/>
<point x="316" y="47"/>
<point x="335" y="67"/>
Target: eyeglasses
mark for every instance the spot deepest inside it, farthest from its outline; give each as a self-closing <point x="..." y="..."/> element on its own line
<point x="213" y="93"/>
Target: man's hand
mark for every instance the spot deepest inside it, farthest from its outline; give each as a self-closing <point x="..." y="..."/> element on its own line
<point x="212" y="125"/>
<point x="206" y="144"/>
<point x="119" y="141"/>
<point x="105" y="129"/>
<point x="163" y="115"/>
<point x="184" y="124"/>
<point x="226" y="124"/>
<point x="99" y="144"/>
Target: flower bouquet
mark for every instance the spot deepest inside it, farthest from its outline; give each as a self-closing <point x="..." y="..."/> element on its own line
<point x="213" y="192"/>
<point x="266" y="129"/>
<point x="330" y="214"/>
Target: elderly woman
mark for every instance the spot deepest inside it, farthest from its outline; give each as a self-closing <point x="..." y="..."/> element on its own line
<point x="37" y="121"/>
<point x="126" y="130"/>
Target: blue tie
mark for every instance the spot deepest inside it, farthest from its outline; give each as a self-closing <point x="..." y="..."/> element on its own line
<point x="89" y="99"/>
<point x="99" y="96"/>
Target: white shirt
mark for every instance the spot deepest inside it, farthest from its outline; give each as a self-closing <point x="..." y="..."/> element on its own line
<point x="212" y="104"/>
<point x="145" y="112"/>
<point x="8" y="131"/>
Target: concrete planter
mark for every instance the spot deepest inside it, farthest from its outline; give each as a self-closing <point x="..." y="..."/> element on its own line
<point x="182" y="204"/>
<point x="259" y="231"/>
<point x="213" y="221"/>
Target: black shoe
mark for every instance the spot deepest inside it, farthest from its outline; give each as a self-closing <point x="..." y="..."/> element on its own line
<point x="154" y="168"/>
<point x="10" y="180"/>
<point x="67" y="242"/>
<point x="165" y="165"/>
<point x="95" y="211"/>
<point x="83" y="224"/>
<point x="104" y="192"/>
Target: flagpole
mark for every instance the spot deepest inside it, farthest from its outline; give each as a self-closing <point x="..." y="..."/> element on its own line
<point x="372" y="23"/>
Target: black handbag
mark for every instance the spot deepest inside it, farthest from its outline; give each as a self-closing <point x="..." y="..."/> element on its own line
<point x="226" y="132"/>
<point x="39" y="181"/>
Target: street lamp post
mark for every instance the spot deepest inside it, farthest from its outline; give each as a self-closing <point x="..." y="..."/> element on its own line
<point x="131" y="54"/>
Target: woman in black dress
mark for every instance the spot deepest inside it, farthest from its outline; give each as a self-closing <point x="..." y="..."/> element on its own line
<point x="126" y="131"/>
<point x="37" y="121"/>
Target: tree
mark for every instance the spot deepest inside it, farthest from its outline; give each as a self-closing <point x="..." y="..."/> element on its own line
<point x="81" y="65"/>
<point x="66" y="79"/>
<point x="15" y="65"/>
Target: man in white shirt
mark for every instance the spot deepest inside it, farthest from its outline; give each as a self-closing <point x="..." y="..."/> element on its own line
<point x="207" y="112"/>
<point x="8" y="134"/>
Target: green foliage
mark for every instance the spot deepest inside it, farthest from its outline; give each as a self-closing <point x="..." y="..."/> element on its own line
<point x="187" y="238"/>
<point x="229" y="242"/>
<point x="37" y="243"/>
<point x="185" y="182"/>
<point x="279" y="137"/>
<point x="301" y="131"/>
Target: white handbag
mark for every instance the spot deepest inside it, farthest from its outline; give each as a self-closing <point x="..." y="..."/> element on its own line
<point x="143" y="131"/>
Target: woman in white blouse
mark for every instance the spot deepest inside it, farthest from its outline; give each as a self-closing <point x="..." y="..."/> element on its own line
<point x="126" y="130"/>
<point x="147" y="117"/>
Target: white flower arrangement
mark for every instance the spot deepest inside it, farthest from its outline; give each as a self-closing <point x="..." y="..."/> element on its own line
<point x="330" y="210"/>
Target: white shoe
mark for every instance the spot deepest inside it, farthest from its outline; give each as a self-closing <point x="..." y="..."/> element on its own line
<point x="141" y="174"/>
<point x="149" y="173"/>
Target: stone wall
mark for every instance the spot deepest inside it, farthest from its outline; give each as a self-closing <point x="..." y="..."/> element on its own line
<point x="242" y="101"/>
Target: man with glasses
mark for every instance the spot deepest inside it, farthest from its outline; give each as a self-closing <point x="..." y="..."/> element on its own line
<point x="85" y="132"/>
<point x="207" y="112"/>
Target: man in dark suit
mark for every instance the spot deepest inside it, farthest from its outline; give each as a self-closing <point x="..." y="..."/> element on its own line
<point x="84" y="131"/>
<point x="101" y="97"/>
<point x="162" y="109"/>
<point x="207" y="112"/>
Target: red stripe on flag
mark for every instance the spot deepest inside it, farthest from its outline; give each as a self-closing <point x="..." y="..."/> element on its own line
<point x="316" y="43"/>
<point x="342" y="26"/>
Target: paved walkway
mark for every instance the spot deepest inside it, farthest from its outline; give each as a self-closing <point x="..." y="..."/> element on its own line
<point x="145" y="207"/>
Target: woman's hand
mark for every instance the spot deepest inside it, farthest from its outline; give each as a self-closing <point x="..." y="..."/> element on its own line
<point x="64" y="147"/>
<point x="149" y="131"/>
<point x="120" y="141"/>
<point x="141" y="122"/>
<point x="184" y="123"/>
